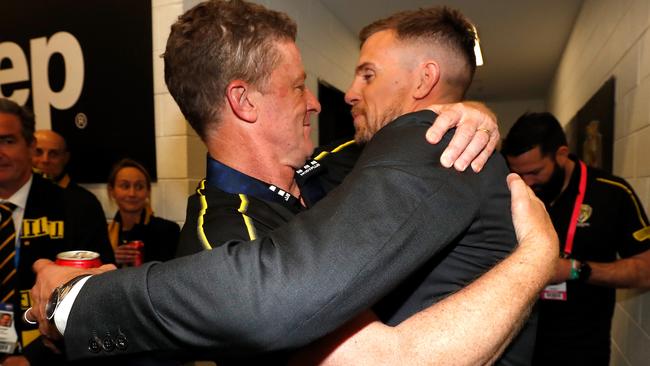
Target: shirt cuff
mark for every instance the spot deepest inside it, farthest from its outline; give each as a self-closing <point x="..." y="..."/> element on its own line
<point x="63" y="310"/>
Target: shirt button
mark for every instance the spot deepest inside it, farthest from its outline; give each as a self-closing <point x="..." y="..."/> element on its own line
<point x="121" y="343"/>
<point x="93" y="345"/>
<point x="107" y="343"/>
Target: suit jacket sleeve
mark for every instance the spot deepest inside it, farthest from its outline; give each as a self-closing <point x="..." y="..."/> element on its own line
<point x="299" y="283"/>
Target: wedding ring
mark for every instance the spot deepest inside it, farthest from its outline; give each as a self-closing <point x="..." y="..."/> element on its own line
<point x="25" y="317"/>
<point x="484" y="130"/>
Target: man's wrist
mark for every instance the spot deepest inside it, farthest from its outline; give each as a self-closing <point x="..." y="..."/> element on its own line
<point x="62" y="311"/>
<point x="574" y="270"/>
<point x="579" y="271"/>
<point x="584" y="272"/>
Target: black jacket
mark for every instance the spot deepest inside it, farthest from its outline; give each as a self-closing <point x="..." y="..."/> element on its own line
<point x="53" y="222"/>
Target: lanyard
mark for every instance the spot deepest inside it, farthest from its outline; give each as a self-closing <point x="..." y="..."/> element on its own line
<point x="568" y="246"/>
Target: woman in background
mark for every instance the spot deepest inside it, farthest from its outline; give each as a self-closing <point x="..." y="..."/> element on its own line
<point x="129" y="184"/>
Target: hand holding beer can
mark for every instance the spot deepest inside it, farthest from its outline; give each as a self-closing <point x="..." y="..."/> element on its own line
<point x="130" y="253"/>
<point x="78" y="259"/>
<point x="139" y="245"/>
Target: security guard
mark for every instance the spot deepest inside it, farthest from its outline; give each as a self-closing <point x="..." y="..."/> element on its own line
<point x="597" y="216"/>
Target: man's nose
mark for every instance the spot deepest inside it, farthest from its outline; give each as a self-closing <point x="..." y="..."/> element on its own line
<point x="313" y="104"/>
<point x="351" y="96"/>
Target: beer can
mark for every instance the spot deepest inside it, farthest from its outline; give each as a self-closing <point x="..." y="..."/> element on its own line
<point x="139" y="245"/>
<point x="79" y="259"/>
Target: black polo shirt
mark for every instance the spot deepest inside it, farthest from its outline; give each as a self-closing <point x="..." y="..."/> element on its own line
<point x="229" y="205"/>
<point x="577" y="331"/>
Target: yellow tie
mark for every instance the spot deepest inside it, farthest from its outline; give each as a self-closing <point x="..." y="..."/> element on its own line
<point x="7" y="252"/>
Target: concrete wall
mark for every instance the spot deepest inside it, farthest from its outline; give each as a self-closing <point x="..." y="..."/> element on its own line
<point x="611" y="38"/>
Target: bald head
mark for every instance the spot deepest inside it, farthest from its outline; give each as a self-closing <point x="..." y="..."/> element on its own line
<point x="51" y="154"/>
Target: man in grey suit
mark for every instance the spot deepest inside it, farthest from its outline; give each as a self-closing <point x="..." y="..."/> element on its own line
<point x="268" y="294"/>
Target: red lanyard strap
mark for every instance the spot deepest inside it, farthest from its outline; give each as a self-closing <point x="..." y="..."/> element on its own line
<point x="568" y="246"/>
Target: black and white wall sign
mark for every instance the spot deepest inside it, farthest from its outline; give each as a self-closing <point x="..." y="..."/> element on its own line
<point x="85" y="68"/>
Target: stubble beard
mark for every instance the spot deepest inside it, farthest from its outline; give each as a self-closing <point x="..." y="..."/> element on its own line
<point x="365" y="131"/>
<point x="550" y="191"/>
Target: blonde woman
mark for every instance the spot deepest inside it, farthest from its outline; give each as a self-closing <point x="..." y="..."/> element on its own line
<point x="129" y="185"/>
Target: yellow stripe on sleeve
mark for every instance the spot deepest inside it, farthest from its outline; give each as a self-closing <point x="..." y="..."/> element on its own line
<point x="250" y="227"/>
<point x="643" y="233"/>
<point x="204" y="208"/>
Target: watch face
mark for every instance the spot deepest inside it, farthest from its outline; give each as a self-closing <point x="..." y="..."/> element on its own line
<point x="52" y="304"/>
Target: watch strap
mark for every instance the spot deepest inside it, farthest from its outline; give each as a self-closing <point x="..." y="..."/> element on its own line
<point x="59" y="294"/>
<point x="584" y="272"/>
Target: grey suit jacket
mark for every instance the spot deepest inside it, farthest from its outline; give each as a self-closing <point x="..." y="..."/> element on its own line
<point x="396" y="209"/>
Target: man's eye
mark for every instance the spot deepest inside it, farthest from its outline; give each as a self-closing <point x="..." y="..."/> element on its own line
<point x="367" y="76"/>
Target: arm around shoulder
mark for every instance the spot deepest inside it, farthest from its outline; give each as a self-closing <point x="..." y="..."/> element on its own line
<point x="259" y="296"/>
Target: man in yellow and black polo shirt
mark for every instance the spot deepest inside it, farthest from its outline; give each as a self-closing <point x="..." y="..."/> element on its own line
<point x="598" y="217"/>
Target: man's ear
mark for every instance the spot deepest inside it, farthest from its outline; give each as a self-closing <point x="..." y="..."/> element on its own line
<point x="562" y="155"/>
<point x="429" y="75"/>
<point x="238" y="93"/>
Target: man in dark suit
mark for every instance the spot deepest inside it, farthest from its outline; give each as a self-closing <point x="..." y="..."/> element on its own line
<point x="306" y="278"/>
<point x="46" y="223"/>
